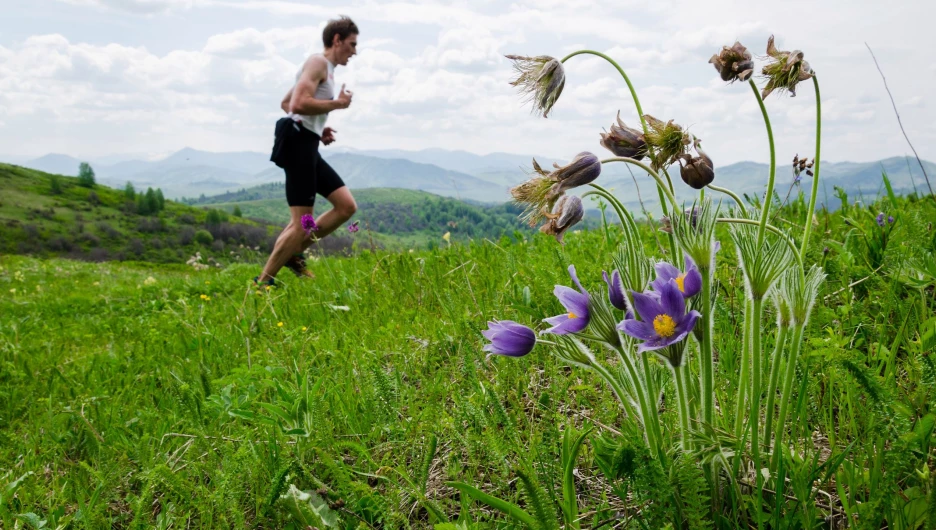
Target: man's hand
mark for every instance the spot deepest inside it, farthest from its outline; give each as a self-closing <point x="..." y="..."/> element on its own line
<point x="328" y="135"/>
<point x="344" y="98"/>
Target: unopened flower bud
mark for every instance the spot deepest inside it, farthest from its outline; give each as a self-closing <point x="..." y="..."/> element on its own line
<point x="540" y="79"/>
<point x="734" y="63"/>
<point x="567" y="212"/>
<point x="624" y="141"/>
<point x="582" y="170"/>
<point x="698" y="171"/>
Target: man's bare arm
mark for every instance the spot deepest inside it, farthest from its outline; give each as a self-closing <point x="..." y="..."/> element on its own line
<point x="285" y="103"/>
<point x="303" y="94"/>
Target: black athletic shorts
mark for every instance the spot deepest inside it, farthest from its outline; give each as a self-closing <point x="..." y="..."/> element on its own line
<point x="296" y="150"/>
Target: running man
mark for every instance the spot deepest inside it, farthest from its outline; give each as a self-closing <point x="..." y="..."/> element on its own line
<point x="297" y="150"/>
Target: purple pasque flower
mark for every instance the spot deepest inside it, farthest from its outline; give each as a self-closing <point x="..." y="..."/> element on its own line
<point x="509" y="338"/>
<point x="663" y="318"/>
<point x="880" y="219"/>
<point x="576" y="303"/>
<point x="308" y="223"/>
<point x="615" y="290"/>
<point x="353" y="227"/>
<point x="689" y="282"/>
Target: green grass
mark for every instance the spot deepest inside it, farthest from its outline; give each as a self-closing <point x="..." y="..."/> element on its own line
<point x="135" y="395"/>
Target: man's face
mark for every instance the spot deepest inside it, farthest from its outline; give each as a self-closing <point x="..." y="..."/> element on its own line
<point x="345" y="49"/>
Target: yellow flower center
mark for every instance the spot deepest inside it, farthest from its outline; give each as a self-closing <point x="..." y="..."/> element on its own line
<point x="681" y="282"/>
<point x="572" y="315"/>
<point x="664" y="326"/>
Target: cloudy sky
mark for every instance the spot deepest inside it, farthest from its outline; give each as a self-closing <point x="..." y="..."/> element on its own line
<point x="92" y="78"/>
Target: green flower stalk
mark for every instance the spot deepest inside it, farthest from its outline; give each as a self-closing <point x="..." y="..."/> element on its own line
<point x="541" y="79"/>
<point x="695" y="233"/>
<point x="800" y="291"/>
<point x="784" y="324"/>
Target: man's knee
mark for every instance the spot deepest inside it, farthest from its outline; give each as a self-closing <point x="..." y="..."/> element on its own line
<point x="346" y="209"/>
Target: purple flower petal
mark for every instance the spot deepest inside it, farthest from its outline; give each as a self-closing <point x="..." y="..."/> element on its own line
<point x="647" y="306"/>
<point x="687" y="323"/>
<point x="575" y="279"/>
<point x="563" y="324"/>
<point x="672" y="301"/>
<point x="509" y="338"/>
<point x="666" y="271"/>
<point x="574" y="302"/>
<point x="692" y="282"/>
<point x="638" y="330"/>
<point x="615" y="290"/>
<point x="660" y="342"/>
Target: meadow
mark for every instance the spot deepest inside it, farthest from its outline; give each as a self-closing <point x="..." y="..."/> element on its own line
<point x="136" y="395"/>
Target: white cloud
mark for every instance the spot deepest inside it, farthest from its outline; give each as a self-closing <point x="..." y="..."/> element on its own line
<point x="145" y="7"/>
<point x="432" y="74"/>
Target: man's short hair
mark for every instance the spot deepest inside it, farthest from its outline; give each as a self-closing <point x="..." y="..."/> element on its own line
<point x="342" y="26"/>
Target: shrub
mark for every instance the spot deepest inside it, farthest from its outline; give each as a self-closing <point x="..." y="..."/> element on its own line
<point x="85" y="175"/>
<point x="98" y="254"/>
<point x="136" y="247"/>
<point x="204" y="237"/>
<point x="186" y="235"/>
<point x="55" y="185"/>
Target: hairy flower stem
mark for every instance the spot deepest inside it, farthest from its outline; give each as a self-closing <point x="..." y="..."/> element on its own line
<point x="643" y="123"/>
<point x="754" y="420"/>
<point x="731" y="194"/>
<point x="772" y="385"/>
<point x="652" y="397"/>
<point x="745" y="364"/>
<point x="768" y="198"/>
<point x="627" y="220"/>
<point x="815" y="183"/>
<point x="682" y="396"/>
<point x="647" y="410"/>
<point x="660" y="184"/>
<point x="787" y="395"/>
<point x="707" y="372"/>
<point x="620" y="393"/>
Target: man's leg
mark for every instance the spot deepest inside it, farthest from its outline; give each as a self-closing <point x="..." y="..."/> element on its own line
<point x="343" y="207"/>
<point x="292" y="240"/>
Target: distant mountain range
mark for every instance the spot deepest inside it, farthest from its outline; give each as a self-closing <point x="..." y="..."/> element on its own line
<point x="463" y="175"/>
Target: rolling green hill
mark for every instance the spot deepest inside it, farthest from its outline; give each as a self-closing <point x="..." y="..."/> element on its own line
<point x="51" y="215"/>
<point x="392" y="217"/>
<point x="103" y="223"/>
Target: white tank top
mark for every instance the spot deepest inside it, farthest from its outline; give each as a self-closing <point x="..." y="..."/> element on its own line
<point x="325" y="90"/>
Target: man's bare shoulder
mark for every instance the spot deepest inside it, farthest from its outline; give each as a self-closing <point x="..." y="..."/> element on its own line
<point x="315" y="68"/>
